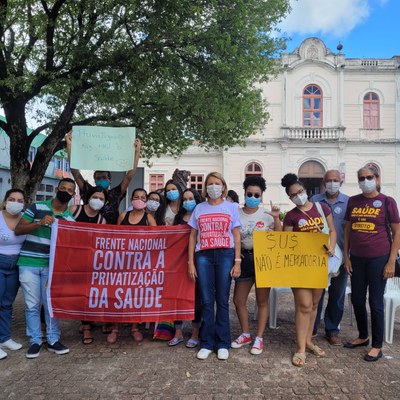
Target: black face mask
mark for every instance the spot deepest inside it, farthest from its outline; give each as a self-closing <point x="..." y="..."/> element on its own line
<point x="63" y="197"/>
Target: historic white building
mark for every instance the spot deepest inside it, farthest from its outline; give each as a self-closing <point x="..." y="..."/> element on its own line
<point x="326" y="111"/>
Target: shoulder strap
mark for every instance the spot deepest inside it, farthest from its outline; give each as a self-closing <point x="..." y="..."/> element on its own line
<point x="312" y="219"/>
<point x="100" y="219"/>
<point x="77" y="211"/>
<point x="387" y="223"/>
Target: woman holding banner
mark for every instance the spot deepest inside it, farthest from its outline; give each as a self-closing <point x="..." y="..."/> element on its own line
<point x="215" y="242"/>
<point x="305" y="218"/>
<point x="156" y="207"/>
<point x="135" y="217"/>
<point x="10" y="246"/>
<point x="252" y="217"/>
<point x="190" y="199"/>
<point x="90" y="212"/>
<point x="371" y="244"/>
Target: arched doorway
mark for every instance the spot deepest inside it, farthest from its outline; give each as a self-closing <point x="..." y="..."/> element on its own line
<point x="311" y="173"/>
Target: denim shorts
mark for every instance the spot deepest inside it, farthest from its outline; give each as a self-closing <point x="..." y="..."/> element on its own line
<point x="247" y="267"/>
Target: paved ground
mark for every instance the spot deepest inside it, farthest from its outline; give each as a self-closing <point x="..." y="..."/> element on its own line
<point x="152" y="370"/>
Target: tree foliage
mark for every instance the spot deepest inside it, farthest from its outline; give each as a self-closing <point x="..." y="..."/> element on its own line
<point x="178" y="70"/>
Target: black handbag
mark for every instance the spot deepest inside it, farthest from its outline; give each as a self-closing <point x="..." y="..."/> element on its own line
<point x="389" y="233"/>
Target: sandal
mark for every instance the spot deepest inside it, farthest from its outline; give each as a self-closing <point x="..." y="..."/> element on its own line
<point x="113" y="336"/>
<point x="174" y="341"/>
<point x="192" y="343"/>
<point x="87" y="336"/>
<point x="136" y="334"/>
<point x="299" y="359"/>
<point x="317" y="351"/>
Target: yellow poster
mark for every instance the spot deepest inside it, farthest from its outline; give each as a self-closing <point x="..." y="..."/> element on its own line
<point x="290" y="259"/>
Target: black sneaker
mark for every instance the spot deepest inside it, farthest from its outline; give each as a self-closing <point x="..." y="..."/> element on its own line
<point x="57" y="348"/>
<point x="33" y="351"/>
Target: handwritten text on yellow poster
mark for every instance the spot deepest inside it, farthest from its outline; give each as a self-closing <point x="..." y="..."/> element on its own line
<point x="290" y="259"/>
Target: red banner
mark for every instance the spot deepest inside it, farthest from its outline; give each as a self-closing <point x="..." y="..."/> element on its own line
<point x="115" y="273"/>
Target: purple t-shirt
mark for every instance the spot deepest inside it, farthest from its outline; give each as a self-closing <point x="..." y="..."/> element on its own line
<point x="368" y="233"/>
<point x="214" y="224"/>
<point x="302" y="223"/>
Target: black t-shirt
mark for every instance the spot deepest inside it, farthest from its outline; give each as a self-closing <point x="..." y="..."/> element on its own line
<point x="110" y="211"/>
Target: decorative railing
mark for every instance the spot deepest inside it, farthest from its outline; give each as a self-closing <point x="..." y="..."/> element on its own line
<point x="332" y="133"/>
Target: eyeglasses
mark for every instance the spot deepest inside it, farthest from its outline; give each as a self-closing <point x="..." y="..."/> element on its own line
<point x="296" y="194"/>
<point x="368" y="178"/>
<point x="256" y="195"/>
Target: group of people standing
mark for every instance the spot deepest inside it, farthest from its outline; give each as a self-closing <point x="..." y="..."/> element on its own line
<point x="220" y="248"/>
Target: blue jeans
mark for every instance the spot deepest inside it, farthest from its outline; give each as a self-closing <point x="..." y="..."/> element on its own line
<point x="368" y="274"/>
<point x="334" y="308"/>
<point x="213" y="270"/>
<point x="33" y="284"/>
<point x="9" y="285"/>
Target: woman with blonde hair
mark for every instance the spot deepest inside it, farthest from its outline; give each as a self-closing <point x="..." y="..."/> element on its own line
<point x="215" y="243"/>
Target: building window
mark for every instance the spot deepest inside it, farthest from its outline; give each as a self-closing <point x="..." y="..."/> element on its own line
<point x="196" y="182"/>
<point x="371" y="111"/>
<point x="312" y="107"/>
<point x="253" y="169"/>
<point x="156" y="182"/>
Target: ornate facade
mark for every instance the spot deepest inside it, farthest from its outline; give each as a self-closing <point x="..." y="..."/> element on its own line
<point x="326" y="111"/>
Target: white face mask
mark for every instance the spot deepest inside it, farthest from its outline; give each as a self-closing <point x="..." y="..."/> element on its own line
<point x="14" y="207"/>
<point x="152" y="205"/>
<point x="214" y="191"/>
<point x="367" y="186"/>
<point x="300" y="199"/>
<point x="332" y="187"/>
<point x="96" y="204"/>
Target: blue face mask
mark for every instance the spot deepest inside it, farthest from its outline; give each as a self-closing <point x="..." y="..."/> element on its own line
<point x="173" y="195"/>
<point x="252" y="202"/>
<point x="103" y="183"/>
<point x="189" y="205"/>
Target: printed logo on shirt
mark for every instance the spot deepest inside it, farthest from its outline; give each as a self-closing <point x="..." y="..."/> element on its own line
<point x="302" y="222"/>
<point x="369" y="227"/>
<point x="377" y="203"/>
<point x="260" y="224"/>
<point x="214" y="231"/>
<point x="366" y="211"/>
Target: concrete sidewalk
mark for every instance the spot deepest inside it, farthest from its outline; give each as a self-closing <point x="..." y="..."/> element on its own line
<point x="152" y="370"/>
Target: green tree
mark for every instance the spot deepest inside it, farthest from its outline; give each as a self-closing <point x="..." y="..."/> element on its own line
<point x="178" y="70"/>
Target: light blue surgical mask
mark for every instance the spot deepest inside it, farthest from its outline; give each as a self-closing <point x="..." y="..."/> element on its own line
<point x="189" y="205"/>
<point x="103" y="183"/>
<point x="173" y="195"/>
<point x="252" y="202"/>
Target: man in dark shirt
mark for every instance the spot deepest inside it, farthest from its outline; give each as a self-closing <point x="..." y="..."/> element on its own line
<point x="103" y="179"/>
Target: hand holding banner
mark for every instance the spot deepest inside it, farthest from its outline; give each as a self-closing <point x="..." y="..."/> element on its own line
<point x="290" y="259"/>
<point x="120" y="273"/>
<point x="102" y="148"/>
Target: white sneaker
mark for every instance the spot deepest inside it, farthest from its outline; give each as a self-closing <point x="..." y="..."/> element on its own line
<point x="223" y="354"/>
<point x="203" y="354"/>
<point x="257" y="347"/>
<point x="10" y="345"/>
<point x="3" y="354"/>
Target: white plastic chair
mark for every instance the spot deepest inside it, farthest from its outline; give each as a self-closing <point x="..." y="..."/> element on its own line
<point x="273" y="304"/>
<point x="392" y="301"/>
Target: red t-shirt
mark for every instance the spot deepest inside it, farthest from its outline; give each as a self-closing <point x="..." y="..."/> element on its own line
<point x="302" y="223"/>
<point x="368" y="233"/>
